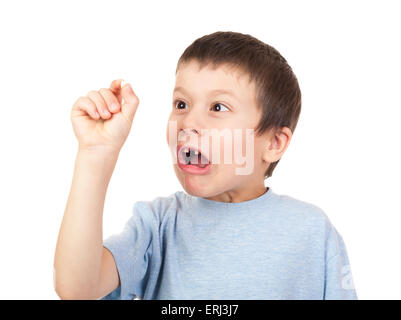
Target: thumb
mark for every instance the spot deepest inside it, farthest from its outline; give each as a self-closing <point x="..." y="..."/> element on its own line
<point x="129" y="102"/>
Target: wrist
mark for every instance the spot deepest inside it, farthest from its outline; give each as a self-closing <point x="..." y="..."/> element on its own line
<point x="97" y="162"/>
<point x="98" y="158"/>
<point x="99" y="151"/>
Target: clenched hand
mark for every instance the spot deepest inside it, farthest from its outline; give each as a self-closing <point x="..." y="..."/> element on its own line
<point x="102" y="119"/>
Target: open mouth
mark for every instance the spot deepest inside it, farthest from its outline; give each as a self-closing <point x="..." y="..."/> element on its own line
<point x="192" y="160"/>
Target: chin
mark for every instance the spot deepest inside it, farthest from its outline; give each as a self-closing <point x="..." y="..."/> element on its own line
<point x="195" y="185"/>
<point x="195" y="191"/>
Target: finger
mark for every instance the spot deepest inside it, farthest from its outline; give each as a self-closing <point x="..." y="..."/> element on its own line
<point x="111" y="100"/>
<point x="115" y="87"/>
<point x="130" y="101"/>
<point x="101" y="105"/>
<point x="86" y="106"/>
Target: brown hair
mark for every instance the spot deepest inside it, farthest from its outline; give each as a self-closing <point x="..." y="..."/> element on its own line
<point x="277" y="88"/>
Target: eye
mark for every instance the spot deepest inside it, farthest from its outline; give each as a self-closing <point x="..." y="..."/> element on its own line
<point x="219" y="107"/>
<point x="178" y="104"/>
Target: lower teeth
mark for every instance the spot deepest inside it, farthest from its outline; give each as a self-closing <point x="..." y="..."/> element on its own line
<point x="189" y="155"/>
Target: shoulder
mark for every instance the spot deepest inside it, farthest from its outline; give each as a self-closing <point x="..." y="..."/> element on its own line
<point x="158" y="209"/>
<point x="305" y="216"/>
<point x="310" y="221"/>
<point x="312" y="218"/>
<point x="298" y="209"/>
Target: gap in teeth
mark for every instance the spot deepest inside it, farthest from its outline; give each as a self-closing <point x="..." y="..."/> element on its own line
<point x="186" y="150"/>
<point x="189" y="153"/>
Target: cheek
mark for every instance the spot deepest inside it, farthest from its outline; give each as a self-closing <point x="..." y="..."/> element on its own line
<point x="259" y="147"/>
<point x="243" y="144"/>
<point x="246" y="152"/>
<point x="171" y="131"/>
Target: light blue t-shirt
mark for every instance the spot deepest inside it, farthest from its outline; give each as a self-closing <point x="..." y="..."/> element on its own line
<point x="270" y="247"/>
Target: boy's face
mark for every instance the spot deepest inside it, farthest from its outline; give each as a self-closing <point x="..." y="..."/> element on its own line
<point x="200" y="114"/>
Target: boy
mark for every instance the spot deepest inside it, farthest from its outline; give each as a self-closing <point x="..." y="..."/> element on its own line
<point x="227" y="236"/>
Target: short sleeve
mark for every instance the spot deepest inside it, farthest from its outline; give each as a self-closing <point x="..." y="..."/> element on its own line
<point x="339" y="283"/>
<point x="131" y="249"/>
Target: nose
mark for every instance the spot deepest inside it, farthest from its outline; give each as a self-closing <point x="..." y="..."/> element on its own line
<point x="188" y="131"/>
<point x="191" y="123"/>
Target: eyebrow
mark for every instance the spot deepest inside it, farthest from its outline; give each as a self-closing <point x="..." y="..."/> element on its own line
<point x="216" y="91"/>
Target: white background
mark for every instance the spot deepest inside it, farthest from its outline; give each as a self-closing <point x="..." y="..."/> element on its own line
<point x="344" y="155"/>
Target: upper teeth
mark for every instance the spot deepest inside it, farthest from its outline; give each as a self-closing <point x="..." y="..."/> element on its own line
<point x="186" y="150"/>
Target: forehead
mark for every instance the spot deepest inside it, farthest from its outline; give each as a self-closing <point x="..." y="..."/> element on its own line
<point x="209" y="78"/>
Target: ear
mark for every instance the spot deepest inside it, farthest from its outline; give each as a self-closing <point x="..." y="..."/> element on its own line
<point x="277" y="144"/>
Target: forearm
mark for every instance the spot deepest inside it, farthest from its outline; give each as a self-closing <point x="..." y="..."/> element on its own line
<point x="78" y="255"/>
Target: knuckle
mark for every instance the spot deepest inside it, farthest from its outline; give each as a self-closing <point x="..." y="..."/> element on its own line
<point x="80" y="99"/>
<point x="92" y="106"/>
<point x="77" y="102"/>
<point x="108" y="95"/>
<point x="81" y="102"/>
<point x="104" y="110"/>
<point x="90" y="102"/>
<point x="100" y="104"/>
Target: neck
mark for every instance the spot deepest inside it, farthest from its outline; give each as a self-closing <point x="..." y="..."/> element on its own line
<point x="243" y="193"/>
